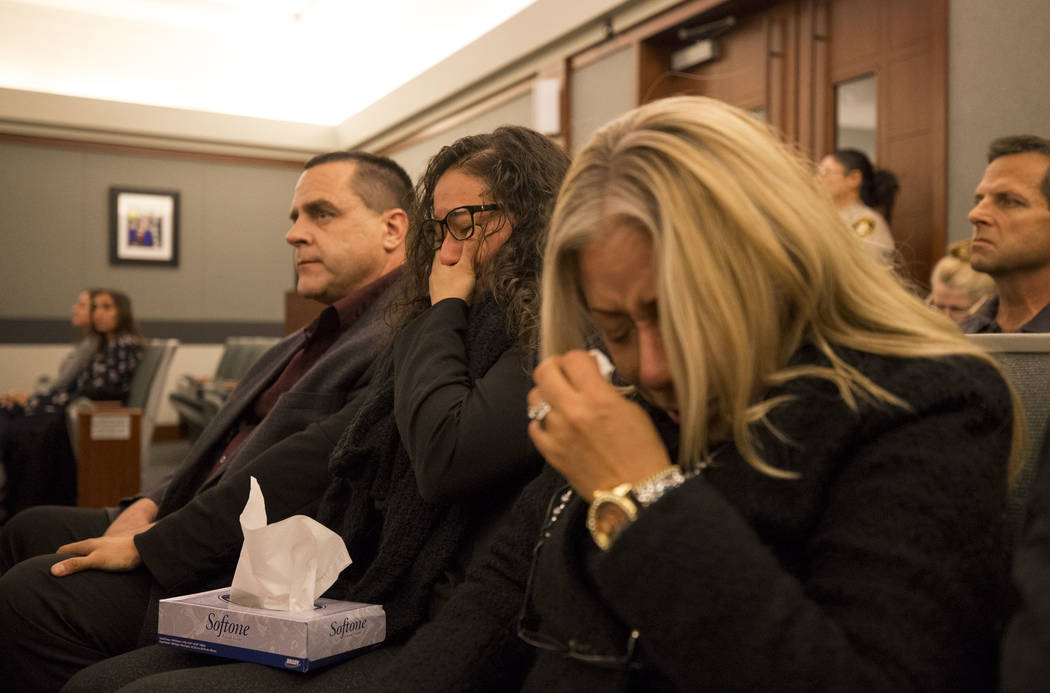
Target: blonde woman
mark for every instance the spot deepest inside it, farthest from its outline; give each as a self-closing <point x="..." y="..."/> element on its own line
<point x="825" y="513"/>
<point x="956" y="288"/>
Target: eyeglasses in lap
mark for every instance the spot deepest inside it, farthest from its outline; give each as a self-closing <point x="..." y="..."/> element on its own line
<point x="528" y="622"/>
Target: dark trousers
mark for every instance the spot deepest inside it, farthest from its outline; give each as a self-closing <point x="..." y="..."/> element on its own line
<point x="39" y="460"/>
<point x="41" y="530"/>
<point x="159" y="669"/>
<point x="50" y="627"/>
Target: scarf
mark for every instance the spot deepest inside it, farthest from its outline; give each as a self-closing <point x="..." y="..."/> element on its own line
<point x="402" y="544"/>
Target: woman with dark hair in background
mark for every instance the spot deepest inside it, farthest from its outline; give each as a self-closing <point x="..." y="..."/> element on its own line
<point x="864" y="197"/>
<point x="85" y="347"/>
<point x="36" y="450"/>
<point x="13" y="402"/>
<point x="107" y="375"/>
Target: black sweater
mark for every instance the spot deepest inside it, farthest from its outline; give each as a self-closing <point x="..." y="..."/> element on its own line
<point x="882" y="568"/>
<point x="405" y="547"/>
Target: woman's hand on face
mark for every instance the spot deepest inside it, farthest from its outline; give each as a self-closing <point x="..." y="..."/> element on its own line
<point x="455" y="280"/>
<point x="593" y="436"/>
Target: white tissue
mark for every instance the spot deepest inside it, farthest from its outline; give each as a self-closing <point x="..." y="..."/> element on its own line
<point x="287" y="565"/>
<point x="605" y="366"/>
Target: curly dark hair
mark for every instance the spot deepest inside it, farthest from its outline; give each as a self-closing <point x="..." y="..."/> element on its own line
<point x="523" y="171"/>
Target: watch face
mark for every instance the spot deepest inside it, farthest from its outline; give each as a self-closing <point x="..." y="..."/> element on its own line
<point x="608" y="515"/>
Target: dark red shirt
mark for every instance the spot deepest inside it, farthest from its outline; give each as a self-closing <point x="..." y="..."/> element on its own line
<point x="321" y="334"/>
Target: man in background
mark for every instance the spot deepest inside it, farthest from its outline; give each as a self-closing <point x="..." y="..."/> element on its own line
<point x="1011" y="236"/>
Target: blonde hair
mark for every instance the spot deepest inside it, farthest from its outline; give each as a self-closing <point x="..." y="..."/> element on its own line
<point x="954" y="271"/>
<point x="750" y="263"/>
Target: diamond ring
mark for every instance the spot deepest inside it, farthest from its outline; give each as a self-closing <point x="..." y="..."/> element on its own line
<point x="538" y="412"/>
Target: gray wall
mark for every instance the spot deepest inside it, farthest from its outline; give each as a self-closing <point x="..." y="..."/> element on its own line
<point x="414" y="158"/>
<point x="998" y="60"/>
<point x="601" y="91"/>
<point x="235" y="266"/>
<point x="233" y="262"/>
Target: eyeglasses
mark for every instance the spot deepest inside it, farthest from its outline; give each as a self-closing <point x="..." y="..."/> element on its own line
<point x="954" y="312"/>
<point x="573" y="649"/>
<point x="459" y="222"/>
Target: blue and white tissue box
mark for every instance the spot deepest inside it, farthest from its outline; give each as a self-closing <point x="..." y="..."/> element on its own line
<point x="209" y="623"/>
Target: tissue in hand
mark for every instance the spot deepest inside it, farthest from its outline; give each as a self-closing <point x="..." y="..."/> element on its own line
<point x="285" y="566"/>
<point x="605" y="366"/>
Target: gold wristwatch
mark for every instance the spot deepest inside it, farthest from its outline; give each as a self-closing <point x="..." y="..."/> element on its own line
<point x="627" y="498"/>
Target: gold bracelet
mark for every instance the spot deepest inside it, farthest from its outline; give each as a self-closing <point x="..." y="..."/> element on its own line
<point x="648" y="491"/>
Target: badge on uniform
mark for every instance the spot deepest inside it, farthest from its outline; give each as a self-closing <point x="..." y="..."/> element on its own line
<point x="864" y="227"/>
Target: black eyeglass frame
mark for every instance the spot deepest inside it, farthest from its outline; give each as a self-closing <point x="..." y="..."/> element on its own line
<point x="444" y="225"/>
<point x="548" y="643"/>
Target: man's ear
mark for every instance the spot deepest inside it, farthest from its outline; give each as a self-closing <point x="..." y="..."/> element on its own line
<point x="395" y="229"/>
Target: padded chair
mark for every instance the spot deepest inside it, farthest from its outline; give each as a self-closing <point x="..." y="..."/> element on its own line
<point x="1025" y="359"/>
<point x="196" y="400"/>
<point x="147" y="386"/>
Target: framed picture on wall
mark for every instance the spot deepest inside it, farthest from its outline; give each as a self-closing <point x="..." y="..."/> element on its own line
<point x="143" y="227"/>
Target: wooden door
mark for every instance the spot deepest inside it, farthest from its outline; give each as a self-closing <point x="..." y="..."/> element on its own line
<point x="756" y="68"/>
<point x="785" y="62"/>
<point x="902" y="43"/>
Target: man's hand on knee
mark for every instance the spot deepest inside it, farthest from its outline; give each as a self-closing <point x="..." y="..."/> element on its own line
<point x="112" y="554"/>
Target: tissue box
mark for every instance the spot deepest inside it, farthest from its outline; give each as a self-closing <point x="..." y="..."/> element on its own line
<point x="209" y="622"/>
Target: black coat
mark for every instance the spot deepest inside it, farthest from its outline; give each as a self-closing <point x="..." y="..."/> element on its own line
<point x="196" y="541"/>
<point x="1026" y="647"/>
<point x="882" y="568"/>
<point x="403" y="546"/>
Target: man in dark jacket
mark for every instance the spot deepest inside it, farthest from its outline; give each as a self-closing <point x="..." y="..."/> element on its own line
<point x="61" y="612"/>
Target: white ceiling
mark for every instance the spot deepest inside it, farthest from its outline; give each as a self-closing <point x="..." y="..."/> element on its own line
<point x="303" y="61"/>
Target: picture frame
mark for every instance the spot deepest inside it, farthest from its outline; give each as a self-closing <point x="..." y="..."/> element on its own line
<point x="143" y="227"/>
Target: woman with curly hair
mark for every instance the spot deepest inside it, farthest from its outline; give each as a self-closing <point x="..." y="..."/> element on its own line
<point x="474" y="278"/>
<point x="443" y="439"/>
